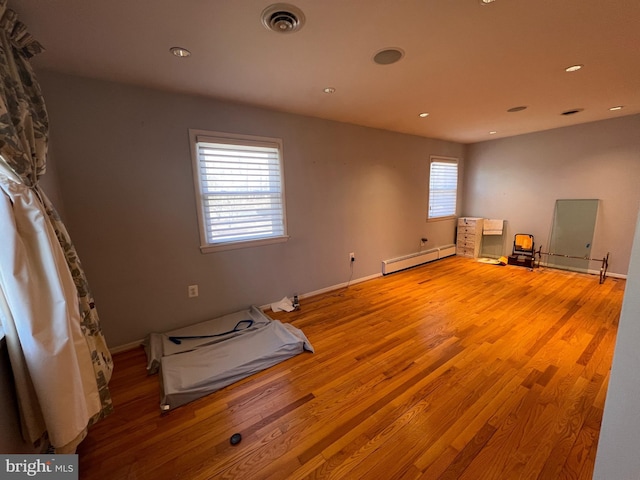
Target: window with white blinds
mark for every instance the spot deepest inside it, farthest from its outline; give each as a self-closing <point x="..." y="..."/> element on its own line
<point x="241" y="190"/>
<point x="443" y="187"/>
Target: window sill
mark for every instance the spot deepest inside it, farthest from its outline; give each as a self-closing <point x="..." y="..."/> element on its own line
<point x="440" y="219"/>
<point x="236" y="245"/>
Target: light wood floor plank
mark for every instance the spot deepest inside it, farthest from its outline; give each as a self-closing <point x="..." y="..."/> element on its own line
<point x="452" y="370"/>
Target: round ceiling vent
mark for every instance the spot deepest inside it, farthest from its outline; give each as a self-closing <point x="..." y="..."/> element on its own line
<point x="283" y="18"/>
<point x="572" y="112"/>
<point x="388" y="56"/>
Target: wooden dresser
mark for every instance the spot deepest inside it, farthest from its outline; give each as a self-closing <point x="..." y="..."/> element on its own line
<point x="469" y="237"/>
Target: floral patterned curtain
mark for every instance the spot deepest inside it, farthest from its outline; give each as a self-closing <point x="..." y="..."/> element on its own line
<point x="24" y="130"/>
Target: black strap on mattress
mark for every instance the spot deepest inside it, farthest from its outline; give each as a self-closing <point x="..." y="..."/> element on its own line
<point x="237" y="328"/>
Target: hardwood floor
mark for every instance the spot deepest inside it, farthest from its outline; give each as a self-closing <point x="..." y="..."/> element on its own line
<point x="452" y="370"/>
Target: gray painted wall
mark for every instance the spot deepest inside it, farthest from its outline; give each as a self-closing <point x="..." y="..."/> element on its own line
<point x="617" y="456"/>
<point x="50" y="183"/>
<point x="520" y="178"/>
<point x="124" y="169"/>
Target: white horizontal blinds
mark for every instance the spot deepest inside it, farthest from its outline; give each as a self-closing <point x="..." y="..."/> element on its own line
<point x="443" y="188"/>
<point x="241" y="190"/>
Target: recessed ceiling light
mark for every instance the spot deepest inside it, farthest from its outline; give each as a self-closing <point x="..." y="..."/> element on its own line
<point x="492" y="132"/>
<point x="423" y="114"/>
<point x="180" y="52"/>
<point x="486" y="2"/>
<point x="572" y="111"/>
<point x="573" y="68"/>
<point x="329" y="90"/>
<point x="388" y="56"/>
<point x="517" y="109"/>
<point x="617" y="107"/>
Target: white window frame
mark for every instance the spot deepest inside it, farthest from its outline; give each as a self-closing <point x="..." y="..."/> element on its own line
<point x="204" y="136"/>
<point x="437" y="194"/>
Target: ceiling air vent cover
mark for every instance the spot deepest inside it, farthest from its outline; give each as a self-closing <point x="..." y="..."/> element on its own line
<point x="388" y="56"/>
<point x="283" y="18"/>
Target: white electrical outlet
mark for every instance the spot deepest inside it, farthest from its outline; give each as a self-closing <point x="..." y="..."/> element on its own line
<point x="352" y="257"/>
<point x="193" y="291"/>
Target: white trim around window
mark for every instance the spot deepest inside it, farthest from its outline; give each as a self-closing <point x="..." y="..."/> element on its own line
<point x="239" y="184"/>
<point x="443" y="188"/>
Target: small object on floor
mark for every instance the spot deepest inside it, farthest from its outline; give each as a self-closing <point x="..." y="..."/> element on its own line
<point x="235" y="439"/>
<point x="490" y="261"/>
<point x="521" y="261"/>
<point x="284" y="305"/>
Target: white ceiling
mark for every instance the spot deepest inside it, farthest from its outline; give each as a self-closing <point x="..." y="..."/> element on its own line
<point x="464" y="63"/>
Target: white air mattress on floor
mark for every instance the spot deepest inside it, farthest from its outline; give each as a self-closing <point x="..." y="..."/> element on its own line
<point x="200" y="366"/>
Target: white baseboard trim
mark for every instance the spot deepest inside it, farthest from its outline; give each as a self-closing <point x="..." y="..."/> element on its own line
<point x="615" y="275"/>
<point x="590" y="271"/>
<point x="126" y="347"/>
<point x="130" y="346"/>
<point x="609" y="274"/>
<point x="340" y="285"/>
<point x="329" y="289"/>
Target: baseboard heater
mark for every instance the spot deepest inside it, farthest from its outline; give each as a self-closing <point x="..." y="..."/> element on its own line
<point x="415" y="259"/>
